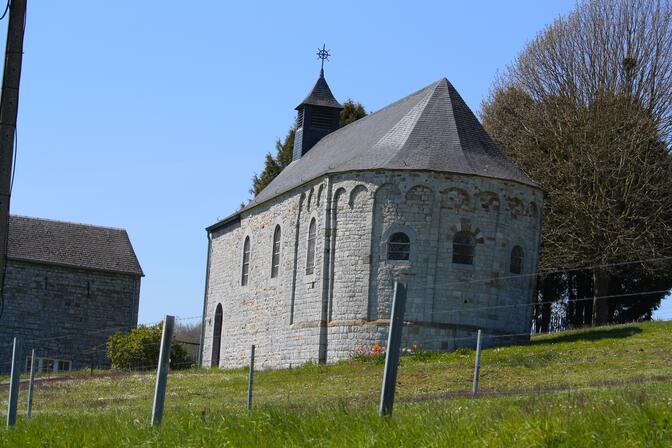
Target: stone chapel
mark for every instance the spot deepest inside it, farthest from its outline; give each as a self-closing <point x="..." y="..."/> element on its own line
<point x="416" y="192"/>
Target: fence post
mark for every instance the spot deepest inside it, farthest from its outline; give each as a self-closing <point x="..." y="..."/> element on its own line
<point x="251" y="379"/>
<point x="29" y="411"/>
<point x="93" y="355"/>
<point x="162" y="370"/>
<point x="393" y="349"/>
<point x="477" y="363"/>
<point x="14" y="384"/>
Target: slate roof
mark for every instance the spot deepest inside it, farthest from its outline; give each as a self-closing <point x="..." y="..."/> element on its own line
<point x="321" y="95"/>
<point x="69" y="244"/>
<point x="432" y="129"/>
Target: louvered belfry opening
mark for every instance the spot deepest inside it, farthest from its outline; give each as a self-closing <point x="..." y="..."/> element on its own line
<point x="317" y="116"/>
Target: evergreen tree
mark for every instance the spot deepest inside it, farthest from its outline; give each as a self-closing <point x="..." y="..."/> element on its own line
<point x="352" y="111"/>
<point x="273" y="165"/>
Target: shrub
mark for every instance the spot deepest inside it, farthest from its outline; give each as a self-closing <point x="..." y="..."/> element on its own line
<point x="139" y="349"/>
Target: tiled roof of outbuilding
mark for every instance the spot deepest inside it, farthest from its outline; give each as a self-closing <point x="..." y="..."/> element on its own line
<point x="69" y="244"/>
<point x="432" y="129"/>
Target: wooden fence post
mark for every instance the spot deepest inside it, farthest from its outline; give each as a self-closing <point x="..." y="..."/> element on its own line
<point x="13" y="401"/>
<point x="162" y="370"/>
<point x="251" y="379"/>
<point x="477" y="364"/>
<point x="393" y="349"/>
<point x="29" y="411"/>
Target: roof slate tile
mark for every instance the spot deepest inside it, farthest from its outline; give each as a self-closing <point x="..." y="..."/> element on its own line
<point x="432" y="129"/>
<point x="69" y="244"/>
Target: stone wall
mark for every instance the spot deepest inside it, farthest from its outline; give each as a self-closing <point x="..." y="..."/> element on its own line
<point x="345" y="303"/>
<point x="63" y="312"/>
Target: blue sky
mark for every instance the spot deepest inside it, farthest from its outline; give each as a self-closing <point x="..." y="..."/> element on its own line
<point x="154" y="115"/>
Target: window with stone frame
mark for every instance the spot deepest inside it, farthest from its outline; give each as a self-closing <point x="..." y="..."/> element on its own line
<point x="398" y="247"/>
<point x="310" y="255"/>
<point x="275" y="259"/>
<point x="516" y="265"/>
<point x="245" y="273"/>
<point x="464" y="244"/>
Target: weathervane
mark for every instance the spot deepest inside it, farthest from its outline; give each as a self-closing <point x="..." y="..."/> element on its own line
<point x="323" y="53"/>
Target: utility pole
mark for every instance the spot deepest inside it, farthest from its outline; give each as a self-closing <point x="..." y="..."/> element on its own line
<point x="9" y="108"/>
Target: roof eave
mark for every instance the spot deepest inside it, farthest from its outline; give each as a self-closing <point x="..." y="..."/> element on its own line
<point x="231" y="219"/>
<point x="76" y="266"/>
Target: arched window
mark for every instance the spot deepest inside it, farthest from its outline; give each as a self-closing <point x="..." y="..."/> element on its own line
<point x="398" y="247"/>
<point x="275" y="260"/>
<point x="516" y="266"/>
<point x="216" y="337"/>
<point x="310" y="256"/>
<point x="463" y="248"/>
<point x="245" y="273"/>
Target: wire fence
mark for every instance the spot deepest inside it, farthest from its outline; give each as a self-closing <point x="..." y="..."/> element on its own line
<point x="546" y="364"/>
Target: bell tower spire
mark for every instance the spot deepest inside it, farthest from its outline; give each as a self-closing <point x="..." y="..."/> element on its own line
<point x="318" y="114"/>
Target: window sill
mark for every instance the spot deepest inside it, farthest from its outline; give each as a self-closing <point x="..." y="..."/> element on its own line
<point x="398" y="262"/>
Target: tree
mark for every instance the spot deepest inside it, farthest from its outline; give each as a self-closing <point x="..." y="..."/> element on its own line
<point x="274" y="165"/>
<point x="352" y="111"/>
<point x="284" y="150"/>
<point x="190" y="336"/>
<point x="139" y="349"/>
<point x="586" y="110"/>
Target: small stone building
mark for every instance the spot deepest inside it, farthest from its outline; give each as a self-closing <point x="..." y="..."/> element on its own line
<point x="68" y="288"/>
<point x="416" y="192"/>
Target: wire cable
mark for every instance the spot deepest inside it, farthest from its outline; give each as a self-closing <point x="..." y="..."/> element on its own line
<point x="6" y="9"/>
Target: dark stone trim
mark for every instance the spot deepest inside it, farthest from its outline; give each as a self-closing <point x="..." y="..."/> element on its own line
<point x="76" y="266"/>
<point x="229" y="220"/>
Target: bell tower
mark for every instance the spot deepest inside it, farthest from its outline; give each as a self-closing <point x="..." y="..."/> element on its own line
<point x="317" y="115"/>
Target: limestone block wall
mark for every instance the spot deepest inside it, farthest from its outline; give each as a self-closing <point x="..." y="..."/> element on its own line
<point x="63" y="312"/>
<point x="345" y="302"/>
<point x="279" y="315"/>
<point x="447" y="302"/>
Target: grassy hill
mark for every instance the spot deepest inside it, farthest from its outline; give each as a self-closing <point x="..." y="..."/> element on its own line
<point x="609" y="386"/>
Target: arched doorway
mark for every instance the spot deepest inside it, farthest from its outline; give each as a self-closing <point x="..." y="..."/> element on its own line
<point x="217" y="337"/>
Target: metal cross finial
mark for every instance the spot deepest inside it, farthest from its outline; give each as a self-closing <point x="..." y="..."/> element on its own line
<point x="323" y="54"/>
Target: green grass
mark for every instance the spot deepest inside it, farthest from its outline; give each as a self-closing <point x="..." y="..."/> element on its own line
<point x="604" y="387"/>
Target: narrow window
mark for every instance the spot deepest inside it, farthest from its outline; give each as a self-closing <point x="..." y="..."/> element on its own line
<point x="63" y="366"/>
<point x="398" y="247"/>
<point x="463" y="248"/>
<point x="217" y="336"/>
<point x="275" y="260"/>
<point x="246" y="262"/>
<point x="516" y="260"/>
<point x="47" y="366"/>
<point x="310" y="257"/>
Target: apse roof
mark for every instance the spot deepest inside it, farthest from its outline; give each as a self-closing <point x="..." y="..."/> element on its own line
<point x="432" y="129"/>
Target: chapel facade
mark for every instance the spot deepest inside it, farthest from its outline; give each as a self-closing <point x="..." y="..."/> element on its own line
<point x="415" y="192"/>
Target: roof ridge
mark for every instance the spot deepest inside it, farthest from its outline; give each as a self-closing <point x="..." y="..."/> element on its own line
<point x="408" y="122"/>
<point x="368" y="117"/>
<point x="94" y="226"/>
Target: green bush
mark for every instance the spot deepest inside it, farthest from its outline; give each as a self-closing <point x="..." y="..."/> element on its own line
<point x="139" y="349"/>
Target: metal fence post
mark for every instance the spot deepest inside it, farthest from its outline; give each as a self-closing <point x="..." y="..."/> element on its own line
<point x="251" y="380"/>
<point x="162" y="370"/>
<point x="393" y="349"/>
<point x="29" y="411"/>
<point x="14" y="384"/>
<point x="477" y="364"/>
